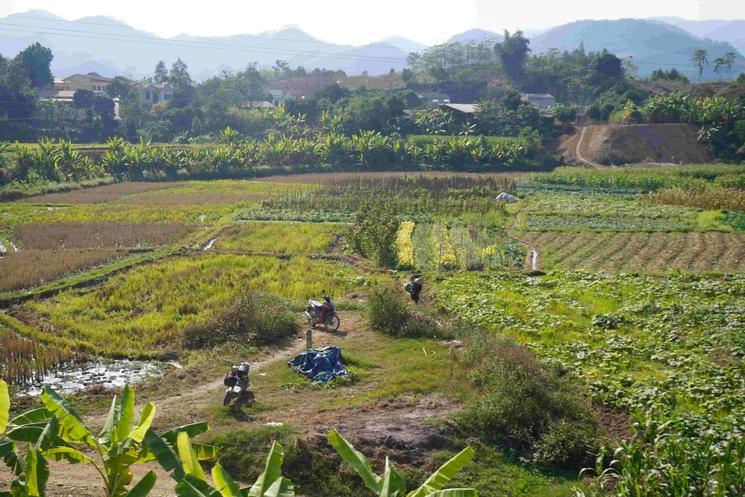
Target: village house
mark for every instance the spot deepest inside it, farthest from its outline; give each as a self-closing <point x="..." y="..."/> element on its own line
<point x="543" y="101"/>
<point x="154" y="93"/>
<point x="257" y="104"/>
<point x="92" y="82"/>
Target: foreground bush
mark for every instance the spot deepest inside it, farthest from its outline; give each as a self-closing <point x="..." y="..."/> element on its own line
<point x="525" y="408"/>
<point x="254" y="318"/>
<point x="388" y="313"/>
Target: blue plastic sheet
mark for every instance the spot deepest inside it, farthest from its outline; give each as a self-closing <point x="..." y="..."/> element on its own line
<point x="321" y="365"/>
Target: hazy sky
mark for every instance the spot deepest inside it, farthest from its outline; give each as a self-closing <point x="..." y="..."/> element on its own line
<point x="355" y="22"/>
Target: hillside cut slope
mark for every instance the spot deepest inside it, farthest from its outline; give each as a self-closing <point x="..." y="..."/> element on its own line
<point x="630" y="144"/>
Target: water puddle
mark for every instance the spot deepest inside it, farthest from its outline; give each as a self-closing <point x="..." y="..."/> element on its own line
<point x="115" y="374"/>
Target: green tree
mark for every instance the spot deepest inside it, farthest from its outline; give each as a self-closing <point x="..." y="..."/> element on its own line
<point x="35" y="61"/>
<point x="119" y="87"/>
<point x="160" y="75"/>
<point x="700" y="60"/>
<point x="373" y="234"/>
<point x="513" y="52"/>
<point x="725" y="62"/>
<point x="183" y="86"/>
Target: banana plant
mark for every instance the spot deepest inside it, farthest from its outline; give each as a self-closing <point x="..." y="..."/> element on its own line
<point x="40" y="432"/>
<point x="393" y="484"/>
<point x="191" y="481"/>
<point x="119" y="445"/>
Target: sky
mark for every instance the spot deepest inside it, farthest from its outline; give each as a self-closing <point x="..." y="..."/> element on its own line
<point x="348" y="21"/>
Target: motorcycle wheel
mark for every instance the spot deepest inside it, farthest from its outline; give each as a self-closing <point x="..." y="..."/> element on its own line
<point x="333" y="323"/>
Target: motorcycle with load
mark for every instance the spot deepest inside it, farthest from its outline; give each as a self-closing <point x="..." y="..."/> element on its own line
<point x="315" y="309"/>
<point x="237" y="384"/>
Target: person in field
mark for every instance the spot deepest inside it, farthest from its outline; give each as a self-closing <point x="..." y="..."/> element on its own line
<point x="326" y="308"/>
<point x="414" y="287"/>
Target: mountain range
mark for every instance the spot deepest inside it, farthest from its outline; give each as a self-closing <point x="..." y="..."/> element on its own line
<point x="111" y="47"/>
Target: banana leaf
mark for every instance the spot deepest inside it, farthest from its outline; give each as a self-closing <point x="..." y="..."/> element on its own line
<point x="359" y="462"/>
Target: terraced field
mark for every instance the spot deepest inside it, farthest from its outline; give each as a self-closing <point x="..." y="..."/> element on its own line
<point x="633" y="251"/>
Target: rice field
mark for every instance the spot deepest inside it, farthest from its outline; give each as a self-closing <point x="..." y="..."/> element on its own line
<point x="280" y="237"/>
<point x="67" y="235"/>
<point x="144" y="312"/>
<point x="30" y="268"/>
<point x="651" y="252"/>
<point x="22" y="360"/>
<point x="98" y="194"/>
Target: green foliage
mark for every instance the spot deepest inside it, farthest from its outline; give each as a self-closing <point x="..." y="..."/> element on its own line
<point x="675" y="354"/>
<point x="392" y="483"/>
<point x="388" y="313"/>
<point x="524" y="407"/>
<point x="34" y="61"/>
<point x="252" y="317"/>
<point x="373" y="234"/>
<point x="658" y="461"/>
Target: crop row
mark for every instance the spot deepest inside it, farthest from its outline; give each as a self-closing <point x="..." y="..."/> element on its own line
<point x="279" y="237"/>
<point x="30" y="268"/>
<point x="636" y="179"/>
<point x="653" y="252"/>
<point x="422" y="195"/>
<point x="450" y="246"/>
<point x="544" y="212"/>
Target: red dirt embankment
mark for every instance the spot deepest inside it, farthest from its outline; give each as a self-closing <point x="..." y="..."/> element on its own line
<point x="633" y="144"/>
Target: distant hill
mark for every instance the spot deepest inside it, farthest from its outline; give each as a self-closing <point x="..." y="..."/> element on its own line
<point x="118" y="48"/>
<point x="476" y="35"/>
<point x="111" y="47"/>
<point x="732" y="32"/>
<point x="652" y="44"/>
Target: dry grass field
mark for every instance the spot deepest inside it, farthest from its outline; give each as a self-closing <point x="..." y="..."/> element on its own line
<point x="41" y="236"/>
<point x="30" y="268"/>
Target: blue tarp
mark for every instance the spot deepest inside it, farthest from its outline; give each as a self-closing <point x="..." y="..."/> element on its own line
<point x="320" y="365"/>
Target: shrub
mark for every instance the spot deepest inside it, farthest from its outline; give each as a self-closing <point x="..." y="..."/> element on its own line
<point x="257" y="318"/>
<point x="388" y="313"/>
<point x="523" y="407"/>
<point x="565" y="445"/>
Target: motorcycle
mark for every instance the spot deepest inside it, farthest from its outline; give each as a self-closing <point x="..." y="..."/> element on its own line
<point x="313" y="312"/>
<point x="237" y="384"/>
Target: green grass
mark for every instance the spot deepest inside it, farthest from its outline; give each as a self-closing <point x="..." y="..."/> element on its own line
<point x="144" y="311"/>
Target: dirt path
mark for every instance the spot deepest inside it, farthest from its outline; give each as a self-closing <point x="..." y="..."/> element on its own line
<point x="581" y="157"/>
<point x="404" y="427"/>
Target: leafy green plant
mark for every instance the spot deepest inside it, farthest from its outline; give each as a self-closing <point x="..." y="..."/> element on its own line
<point x="183" y="466"/>
<point x="119" y="445"/>
<point x="392" y="484"/>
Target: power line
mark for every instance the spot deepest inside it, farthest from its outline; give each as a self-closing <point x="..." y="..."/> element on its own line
<point x="244" y="35"/>
<point x="183" y="43"/>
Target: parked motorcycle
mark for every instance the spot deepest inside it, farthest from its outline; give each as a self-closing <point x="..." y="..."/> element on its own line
<point x="236" y="382"/>
<point x="313" y="313"/>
